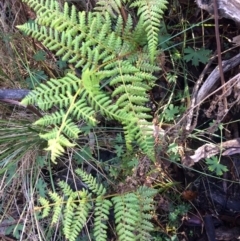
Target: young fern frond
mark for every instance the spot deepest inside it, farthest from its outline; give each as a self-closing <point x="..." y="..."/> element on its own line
<point x="56" y="144"/>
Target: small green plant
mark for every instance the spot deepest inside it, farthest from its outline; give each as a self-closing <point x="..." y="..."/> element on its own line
<point x="171" y="112"/>
<point x="196" y="56"/>
<point x="214" y="165"/>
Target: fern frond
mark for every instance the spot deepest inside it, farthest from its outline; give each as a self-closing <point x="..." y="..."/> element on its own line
<point x="76" y="219"/>
<point x="133" y="211"/>
<point x="101" y="214"/>
<point x="145" y="196"/>
<point x="110" y="6"/>
<point x="56" y="146"/>
<point x="66" y="189"/>
<point x="45" y="207"/>
<point x="107" y="53"/>
<point x="57" y="208"/>
<point x="95" y="187"/>
<point x="126" y="209"/>
<point x="132" y="214"/>
<point x="54" y="92"/>
<point x="99" y="100"/>
<point x="141" y="131"/>
<point x="54" y="118"/>
<point x="151" y="11"/>
<point x="69" y="212"/>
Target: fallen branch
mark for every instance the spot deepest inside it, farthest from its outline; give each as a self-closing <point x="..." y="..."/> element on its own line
<point x="208" y="150"/>
<point x="13" y="94"/>
<point x="209" y="83"/>
<point x="226" y="8"/>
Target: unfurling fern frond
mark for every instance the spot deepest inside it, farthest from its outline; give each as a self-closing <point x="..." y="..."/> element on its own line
<point x="109" y="51"/>
<point x="57" y="144"/>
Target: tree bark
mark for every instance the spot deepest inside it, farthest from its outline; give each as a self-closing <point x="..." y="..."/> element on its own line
<point x="227" y="8"/>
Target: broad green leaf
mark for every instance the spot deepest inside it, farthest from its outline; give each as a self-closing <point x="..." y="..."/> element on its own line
<point x="196" y="56"/>
<point x="215" y="166"/>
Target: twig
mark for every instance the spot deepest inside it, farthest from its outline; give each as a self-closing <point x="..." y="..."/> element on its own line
<point x="195" y="95"/>
<point x="219" y="54"/>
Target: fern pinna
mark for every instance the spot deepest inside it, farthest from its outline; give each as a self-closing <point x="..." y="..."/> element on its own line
<point x="109" y="51"/>
<point x="132" y="211"/>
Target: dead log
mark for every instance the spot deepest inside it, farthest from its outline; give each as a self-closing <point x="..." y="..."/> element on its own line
<point x="226" y="8"/>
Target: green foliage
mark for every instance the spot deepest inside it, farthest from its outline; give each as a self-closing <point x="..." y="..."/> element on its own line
<point x="196" y="56"/>
<point x="35" y="78"/>
<point x="108" y="51"/>
<point x="133" y="211"/>
<point x="40" y="56"/>
<point x="151" y="12"/>
<point x="15" y="230"/>
<point x="171" y="112"/>
<point x="176" y="212"/>
<point x="173" y="152"/>
<point x="132" y="214"/>
<point x="215" y="166"/>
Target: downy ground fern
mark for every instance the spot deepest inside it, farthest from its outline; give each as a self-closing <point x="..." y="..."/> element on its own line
<point x="109" y="51"/>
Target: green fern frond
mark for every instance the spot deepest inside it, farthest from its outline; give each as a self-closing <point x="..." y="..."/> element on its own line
<point x="66" y="189"/>
<point x="95" y="187"/>
<point x="151" y="11"/>
<point x="141" y="131"/>
<point x="57" y="208"/>
<point x="75" y="217"/>
<point x="99" y="100"/>
<point x="145" y="196"/>
<point x="108" y="54"/>
<point x="126" y="209"/>
<point x="132" y="214"/>
<point x="54" y="92"/>
<point x="45" y="207"/>
<point x="54" y="118"/>
<point x="74" y="208"/>
<point x="133" y="211"/>
<point x="69" y="212"/>
<point x="101" y="216"/>
<point x="110" y="6"/>
<point x="56" y="146"/>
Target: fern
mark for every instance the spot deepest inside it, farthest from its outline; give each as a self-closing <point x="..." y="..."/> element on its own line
<point x="133" y="211"/>
<point x="132" y="214"/>
<point x="151" y="11"/>
<point x="101" y="216"/>
<point x="109" y="51"/>
<point x="110" y="6"/>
